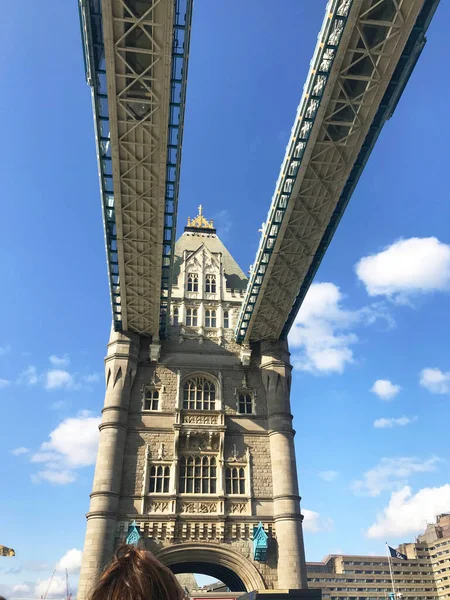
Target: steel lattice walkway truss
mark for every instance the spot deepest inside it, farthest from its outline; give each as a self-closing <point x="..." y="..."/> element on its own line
<point x="365" y="53"/>
<point x="136" y="55"/>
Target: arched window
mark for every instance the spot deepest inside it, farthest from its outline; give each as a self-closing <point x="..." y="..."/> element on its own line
<point x="175" y="316"/>
<point x="199" y="394"/>
<point x="245" y="403"/>
<point x="151" y="399"/>
<point x="210" y="284"/>
<point x="159" y="479"/>
<point x="198" y="475"/>
<point x="235" y="480"/>
<point x="210" y="318"/>
<point x="192" y="282"/>
<point x="191" y="317"/>
<point x="226" y="320"/>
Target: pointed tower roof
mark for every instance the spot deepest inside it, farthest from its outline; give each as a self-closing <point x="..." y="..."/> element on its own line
<point x="200" y="231"/>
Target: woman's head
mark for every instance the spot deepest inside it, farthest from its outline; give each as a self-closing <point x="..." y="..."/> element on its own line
<point x="135" y="574"/>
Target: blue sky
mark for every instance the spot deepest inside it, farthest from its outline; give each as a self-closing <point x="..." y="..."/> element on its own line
<point x="380" y="319"/>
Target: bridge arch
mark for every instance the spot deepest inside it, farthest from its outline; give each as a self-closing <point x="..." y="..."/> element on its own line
<point x="235" y="571"/>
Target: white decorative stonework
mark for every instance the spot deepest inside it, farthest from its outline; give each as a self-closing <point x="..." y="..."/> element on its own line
<point x="246" y="355"/>
<point x="206" y="441"/>
<point x="157" y="506"/>
<point x="154" y="351"/>
<point x="237" y="508"/>
<point x="200" y="419"/>
<point x="198" y="507"/>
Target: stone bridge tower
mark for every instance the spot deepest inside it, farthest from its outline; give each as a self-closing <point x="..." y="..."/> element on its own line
<point x="196" y="442"/>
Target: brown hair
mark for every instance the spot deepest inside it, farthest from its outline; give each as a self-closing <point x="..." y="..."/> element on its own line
<point x="135" y="574"/>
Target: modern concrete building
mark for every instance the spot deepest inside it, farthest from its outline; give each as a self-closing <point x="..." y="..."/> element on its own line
<point x="425" y="575"/>
<point x="196" y="442"/>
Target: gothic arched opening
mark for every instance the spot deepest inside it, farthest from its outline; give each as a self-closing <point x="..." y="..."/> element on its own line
<point x="221" y="562"/>
<point x="223" y="574"/>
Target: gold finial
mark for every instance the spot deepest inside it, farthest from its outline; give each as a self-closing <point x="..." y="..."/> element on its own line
<point x="200" y="222"/>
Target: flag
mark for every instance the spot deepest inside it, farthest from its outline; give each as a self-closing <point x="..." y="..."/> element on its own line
<point x="396" y="554"/>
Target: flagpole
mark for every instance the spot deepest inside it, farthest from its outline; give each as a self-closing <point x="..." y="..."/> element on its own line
<point x="390" y="570"/>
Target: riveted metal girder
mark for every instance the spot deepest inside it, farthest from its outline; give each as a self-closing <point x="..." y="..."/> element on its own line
<point x="136" y="54"/>
<point x="361" y="44"/>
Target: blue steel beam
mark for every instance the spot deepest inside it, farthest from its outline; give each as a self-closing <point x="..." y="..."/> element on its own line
<point x="90" y="12"/>
<point x="306" y="114"/>
<point x="396" y="87"/>
<point x="320" y="70"/>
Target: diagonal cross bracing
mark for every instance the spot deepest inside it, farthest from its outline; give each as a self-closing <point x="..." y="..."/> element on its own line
<point x="136" y="58"/>
<point x="365" y="53"/>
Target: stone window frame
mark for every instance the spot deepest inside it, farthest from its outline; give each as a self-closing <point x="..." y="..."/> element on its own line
<point x="208" y="401"/>
<point x="210" y="283"/>
<point x="152" y="387"/>
<point x="165" y="477"/>
<point x="230" y="467"/>
<point x="158" y="460"/>
<point x="247" y="392"/>
<point x="176" y="316"/>
<point x="192" y="280"/>
<point x="227" y="318"/>
<point x="216" y="378"/>
<point x="198" y="463"/>
<point x="211" y="315"/>
<point x="191" y="314"/>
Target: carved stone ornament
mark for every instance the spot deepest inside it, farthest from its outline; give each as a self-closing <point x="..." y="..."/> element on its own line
<point x="200" y="419"/>
<point x="161" y="452"/>
<point x="156" y="506"/>
<point x="200" y="441"/>
<point x="237" y="508"/>
<point x="154" y="351"/>
<point x="246" y="355"/>
<point x="198" y="507"/>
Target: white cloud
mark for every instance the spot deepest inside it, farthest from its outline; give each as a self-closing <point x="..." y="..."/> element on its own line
<point x="58" y="378"/>
<point x="321" y="330"/>
<point x="388" y="423"/>
<point x="91" y="378"/>
<point x="59" y="405"/>
<point x="57" y="588"/>
<point x="70" y="561"/>
<point x="4" y="383"/>
<point x="314" y="522"/>
<point x="56" y="477"/>
<point x="406" y="268"/>
<point x="5" y="350"/>
<point x="59" y="361"/>
<point x="73" y="444"/>
<point x="392" y="473"/>
<point x="21" y="588"/>
<point x="435" y="380"/>
<point x="385" y="389"/>
<point x="29" y="376"/>
<point x="408" y="514"/>
<point x="223" y="222"/>
<point x="19" y="451"/>
<point x="328" y="475"/>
